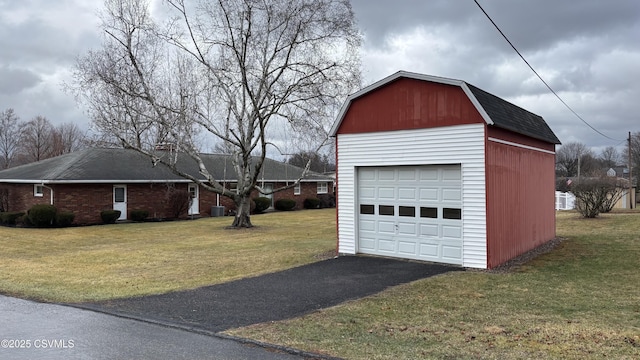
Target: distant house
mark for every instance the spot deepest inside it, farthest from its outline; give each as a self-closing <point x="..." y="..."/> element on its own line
<point x="91" y="180"/>
<point x="619" y="172"/>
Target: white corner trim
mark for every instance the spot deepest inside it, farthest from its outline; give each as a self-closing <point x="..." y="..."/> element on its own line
<point x="520" y="145"/>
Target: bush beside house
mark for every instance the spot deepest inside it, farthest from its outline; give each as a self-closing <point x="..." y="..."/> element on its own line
<point x="312" y="203"/>
<point x="42" y="215"/>
<point x="285" y="204"/>
<point x="139" y="215"/>
<point x="64" y="218"/>
<point x="110" y="216"/>
<point x="10" y="217"/>
<point x="261" y="204"/>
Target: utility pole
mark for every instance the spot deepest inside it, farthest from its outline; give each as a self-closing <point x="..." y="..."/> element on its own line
<point x="631" y="194"/>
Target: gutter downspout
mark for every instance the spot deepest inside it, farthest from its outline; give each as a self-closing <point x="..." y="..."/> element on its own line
<point x="50" y="191"/>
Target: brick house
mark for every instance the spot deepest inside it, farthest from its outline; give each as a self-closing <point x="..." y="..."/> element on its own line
<point x="89" y="181"/>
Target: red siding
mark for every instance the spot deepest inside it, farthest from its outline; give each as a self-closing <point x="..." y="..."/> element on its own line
<point x="520" y="198"/>
<point x="407" y="104"/>
<point x="507" y="135"/>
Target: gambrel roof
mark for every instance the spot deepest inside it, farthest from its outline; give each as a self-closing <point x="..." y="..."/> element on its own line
<point x="102" y="165"/>
<point x="494" y="110"/>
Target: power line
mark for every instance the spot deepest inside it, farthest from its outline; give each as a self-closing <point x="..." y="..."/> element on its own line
<point x="538" y="75"/>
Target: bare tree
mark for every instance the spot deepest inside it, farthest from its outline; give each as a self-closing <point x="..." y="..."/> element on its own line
<point x="610" y="157"/>
<point x="36" y="140"/>
<point x="9" y="136"/>
<point x="320" y="163"/>
<point x="227" y="68"/>
<point x="66" y="138"/>
<point x="575" y="156"/>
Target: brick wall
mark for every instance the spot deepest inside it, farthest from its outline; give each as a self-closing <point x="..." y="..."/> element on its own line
<point x="21" y="197"/>
<point x="307" y="190"/>
<point x="86" y="201"/>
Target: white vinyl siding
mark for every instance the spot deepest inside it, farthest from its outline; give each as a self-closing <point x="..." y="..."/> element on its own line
<point x="463" y="144"/>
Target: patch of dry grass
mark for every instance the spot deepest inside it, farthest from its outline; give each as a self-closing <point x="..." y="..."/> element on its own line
<point x="124" y="260"/>
<point x="580" y="301"/>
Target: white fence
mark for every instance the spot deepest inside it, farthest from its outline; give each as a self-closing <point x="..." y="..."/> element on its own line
<point x="565" y="201"/>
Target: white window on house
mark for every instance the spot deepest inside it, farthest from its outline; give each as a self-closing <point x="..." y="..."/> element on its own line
<point x="296" y="189"/>
<point x="38" y="190"/>
<point x="323" y="188"/>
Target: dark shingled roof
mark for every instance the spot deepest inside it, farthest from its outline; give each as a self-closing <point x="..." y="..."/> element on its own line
<point x="124" y="165"/>
<point x="512" y="117"/>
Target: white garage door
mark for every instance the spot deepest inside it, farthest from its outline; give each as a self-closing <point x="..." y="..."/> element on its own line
<point x="412" y="212"/>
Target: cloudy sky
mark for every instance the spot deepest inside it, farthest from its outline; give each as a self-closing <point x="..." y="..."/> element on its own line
<point x="587" y="50"/>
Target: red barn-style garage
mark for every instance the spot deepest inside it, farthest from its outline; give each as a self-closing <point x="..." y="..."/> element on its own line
<point x="436" y="169"/>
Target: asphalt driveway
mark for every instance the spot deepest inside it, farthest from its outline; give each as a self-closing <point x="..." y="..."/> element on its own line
<point x="276" y="296"/>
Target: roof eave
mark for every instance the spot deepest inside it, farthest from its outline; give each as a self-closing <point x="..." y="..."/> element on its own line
<point x="555" y="141"/>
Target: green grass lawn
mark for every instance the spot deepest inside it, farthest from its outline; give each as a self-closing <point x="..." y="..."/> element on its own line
<point x="122" y="260"/>
<point x="580" y="301"/>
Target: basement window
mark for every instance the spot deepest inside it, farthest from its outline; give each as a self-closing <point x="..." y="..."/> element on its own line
<point x="38" y="190"/>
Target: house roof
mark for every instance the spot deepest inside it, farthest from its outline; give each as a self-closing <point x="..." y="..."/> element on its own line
<point x="494" y="110"/>
<point x="100" y="165"/>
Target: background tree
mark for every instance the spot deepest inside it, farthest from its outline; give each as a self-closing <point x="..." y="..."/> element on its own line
<point x="567" y="160"/>
<point x="9" y="136"/>
<point x="319" y="163"/>
<point x="609" y="157"/>
<point x="232" y="69"/>
<point x="36" y="140"/>
<point x="66" y="138"/>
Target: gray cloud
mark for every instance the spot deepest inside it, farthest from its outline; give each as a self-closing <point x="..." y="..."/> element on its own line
<point x="15" y="81"/>
<point x="39" y="42"/>
<point x="587" y="50"/>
